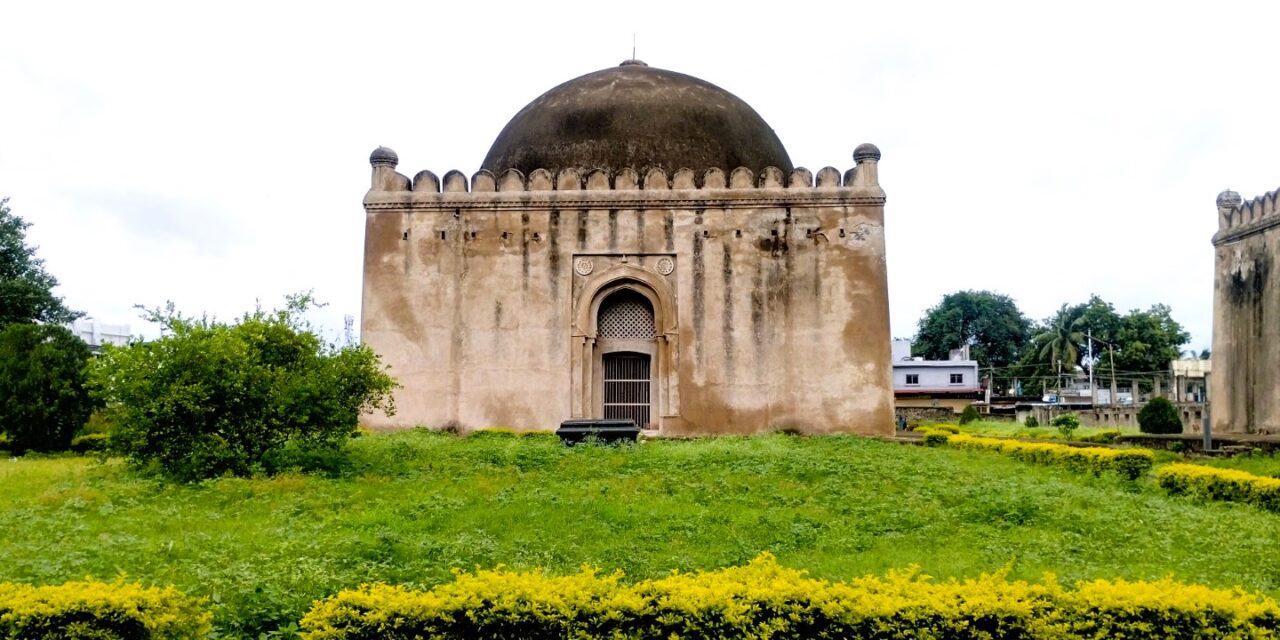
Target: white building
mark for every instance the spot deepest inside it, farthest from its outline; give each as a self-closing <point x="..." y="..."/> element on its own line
<point x="96" y="334"/>
<point x="950" y="383"/>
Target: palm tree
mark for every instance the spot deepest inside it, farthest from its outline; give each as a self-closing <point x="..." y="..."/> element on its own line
<point x="1060" y="343"/>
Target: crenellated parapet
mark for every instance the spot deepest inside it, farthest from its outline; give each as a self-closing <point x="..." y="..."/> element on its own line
<point x="564" y="188"/>
<point x="1238" y="219"/>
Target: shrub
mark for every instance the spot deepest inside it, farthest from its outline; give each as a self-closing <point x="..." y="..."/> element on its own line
<point x="1220" y="484"/>
<point x="765" y="600"/>
<point x="946" y="428"/>
<point x="90" y="610"/>
<point x="1067" y="424"/>
<point x="212" y="398"/>
<point x="1127" y="463"/>
<point x="1159" y="416"/>
<point x="1109" y="436"/>
<point x="90" y="442"/>
<point x="935" y="438"/>
<point x="43" y="399"/>
<point x="1031" y="422"/>
<point x="970" y="414"/>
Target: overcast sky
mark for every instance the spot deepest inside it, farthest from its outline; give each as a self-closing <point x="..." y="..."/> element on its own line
<point x="217" y="154"/>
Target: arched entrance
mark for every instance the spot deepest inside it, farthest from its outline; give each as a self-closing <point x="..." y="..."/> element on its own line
<point x="625" y="347"/>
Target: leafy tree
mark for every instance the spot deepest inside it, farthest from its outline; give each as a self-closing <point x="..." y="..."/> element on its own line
<point x="43" y="398"/>
<point x="990" y="323"/>
<point x="970" y="414"/>
<point x="211" y="398"/>
<point x="1140" y="342"/>
<point x="1148" y="340"/>
<point x="26" y="289"/>
<point x="1159" y="416"/>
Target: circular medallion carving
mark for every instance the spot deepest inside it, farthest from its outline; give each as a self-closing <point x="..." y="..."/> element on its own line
<point x="665" y="266"/>
<point x="583" y="266"/>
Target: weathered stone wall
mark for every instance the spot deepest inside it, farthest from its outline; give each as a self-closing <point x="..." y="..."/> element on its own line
<point x="924" y="415"/>
<point x="1245" y="385"/>
<point x="770" y="291"/>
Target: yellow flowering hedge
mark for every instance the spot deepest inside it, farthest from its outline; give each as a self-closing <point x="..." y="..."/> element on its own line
<point x="91" y="610"/>
<point x="767" y="601"/>
<point x="1127" y="463"/>
<point x="1220" y="484"/>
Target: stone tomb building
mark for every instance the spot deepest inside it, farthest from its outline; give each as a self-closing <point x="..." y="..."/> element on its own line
<point x="1244" y="388"/>
<point x="637" y="245"/>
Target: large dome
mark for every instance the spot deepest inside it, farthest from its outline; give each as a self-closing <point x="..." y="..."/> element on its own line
<point x="634" y="115"/>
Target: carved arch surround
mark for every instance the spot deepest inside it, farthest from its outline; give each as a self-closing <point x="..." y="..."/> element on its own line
<point x="586" y="309"/>
<point x="624" y="276"/>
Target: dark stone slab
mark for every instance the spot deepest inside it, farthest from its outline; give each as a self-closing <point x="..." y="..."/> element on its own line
<point x="575" y="431"/>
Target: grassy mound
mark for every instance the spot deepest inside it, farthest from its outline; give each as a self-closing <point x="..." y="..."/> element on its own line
<point x="413" y="505"/>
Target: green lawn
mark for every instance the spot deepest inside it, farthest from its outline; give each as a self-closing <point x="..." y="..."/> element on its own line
<point x="417" y="504"/>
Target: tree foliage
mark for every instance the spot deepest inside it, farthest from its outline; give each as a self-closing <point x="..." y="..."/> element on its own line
<point x="1141" y="343"/>
<point x="43" y="397"/>
<point x="211" y="398"/>
<point x="990" y="323"/>
<point x="1159" y="416"/>
<point x="26" y="289"/>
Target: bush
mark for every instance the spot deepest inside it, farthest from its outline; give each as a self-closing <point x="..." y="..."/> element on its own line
<point x="1109" y="436"/>
<point x="90" y="610"/>
<point x="946" y="428"/>
<point x="765" y="600"/>
<point x="43" y="399"/>
<point x="1159" y="416"/>
<point x="1066" y="424"/>
<point x="970" y="414"/>
<point x="1127" y="463"/>
<point x="90" y="443"/>
<point x="212" y="398"/>
<point x="1031" y="422"/>
<point x="935" y="438"/>
<point x="1212" y="483"/>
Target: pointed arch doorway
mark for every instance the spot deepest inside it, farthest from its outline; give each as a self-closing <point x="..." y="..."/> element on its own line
<point x="625" y="346"/>
<point x="626" y="337"/>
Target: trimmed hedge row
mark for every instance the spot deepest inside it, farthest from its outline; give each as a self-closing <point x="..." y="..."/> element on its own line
<point x="765" y="600"/>
<point x="1220" y="484"/>
<point x="90" y="610"/>
<point x="1127" y="463"/>
<point x="760" y="600"/>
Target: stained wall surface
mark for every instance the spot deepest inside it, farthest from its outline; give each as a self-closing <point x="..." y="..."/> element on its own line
<point x="1244" y="393"/>
<point x="769" y="291"/>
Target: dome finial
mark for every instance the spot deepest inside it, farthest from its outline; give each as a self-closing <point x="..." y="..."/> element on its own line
<point x="1229" y="199"/>
<point x="382" y="156"/>
<point x="866" y="151"/>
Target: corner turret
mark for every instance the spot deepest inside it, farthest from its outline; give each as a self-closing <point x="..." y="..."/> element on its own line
<point x="866" y="173"/>
<point x="385" y="178"/>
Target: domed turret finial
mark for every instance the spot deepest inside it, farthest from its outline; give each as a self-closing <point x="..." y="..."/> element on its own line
<point x="866" y="151"/>
<point x="1229" y="199"/>
<point x="382" y="156"/>
<point x="633" y="63"/>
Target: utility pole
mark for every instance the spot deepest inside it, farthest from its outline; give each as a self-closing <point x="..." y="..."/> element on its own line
<point x="1093" y="394"/>
<point x="1111" y="352"/>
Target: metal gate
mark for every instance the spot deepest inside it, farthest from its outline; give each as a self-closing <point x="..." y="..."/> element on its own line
<point x="626" y="387"/>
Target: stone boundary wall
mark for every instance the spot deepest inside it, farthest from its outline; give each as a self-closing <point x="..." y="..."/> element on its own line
<point x="921" y="415"/>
